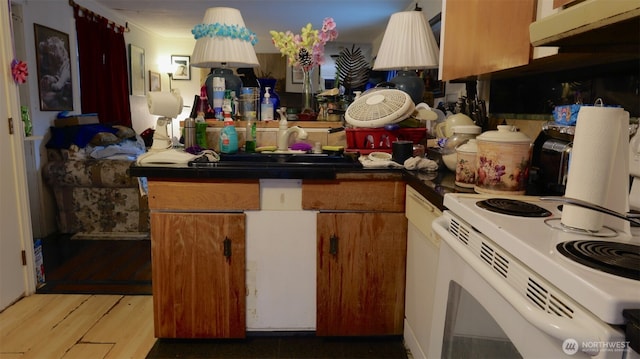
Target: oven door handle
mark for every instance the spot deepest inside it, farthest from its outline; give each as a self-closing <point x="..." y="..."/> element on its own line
<point x="580" y="327"/>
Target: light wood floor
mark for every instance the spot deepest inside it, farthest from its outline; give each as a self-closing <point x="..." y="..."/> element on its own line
<point x="52" y="326"/>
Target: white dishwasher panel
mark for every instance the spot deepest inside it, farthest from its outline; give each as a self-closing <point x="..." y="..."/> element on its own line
<point x="422" y="264"/>
<point x="281" y="270"/>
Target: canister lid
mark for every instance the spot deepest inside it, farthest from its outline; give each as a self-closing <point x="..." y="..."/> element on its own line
<point x="505" y="133"/>
<point x="470" y="146"/>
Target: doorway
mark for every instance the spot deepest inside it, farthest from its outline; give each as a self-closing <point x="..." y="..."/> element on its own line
<point x="14" y="275"/>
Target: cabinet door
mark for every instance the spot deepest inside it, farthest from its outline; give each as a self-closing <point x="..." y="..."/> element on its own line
<point x="361" y="273"/>
<point x="198" y="266"/>
<point x="480" y="37"/>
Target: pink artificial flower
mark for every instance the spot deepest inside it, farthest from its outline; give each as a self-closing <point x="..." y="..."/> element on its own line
<point x="318" y="58"/>
<point x="328" y="24"/>
<point x="324" y="37"/>
<point x="19" y="71"/>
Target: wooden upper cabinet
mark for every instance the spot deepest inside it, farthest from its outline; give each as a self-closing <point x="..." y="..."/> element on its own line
<point x="483" y="36"/>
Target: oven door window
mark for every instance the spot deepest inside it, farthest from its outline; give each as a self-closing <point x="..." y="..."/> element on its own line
<point x="470" y="331"/>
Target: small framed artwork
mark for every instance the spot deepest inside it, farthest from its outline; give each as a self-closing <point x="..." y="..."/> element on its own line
<point x="154" y="81"/>
<point x="54" y="69"/>
<point x="182" y="67"/>
<point x="136" y="71"/>
<point x="295" y="76"/>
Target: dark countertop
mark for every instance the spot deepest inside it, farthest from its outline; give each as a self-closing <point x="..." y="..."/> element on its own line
<point x="237" y="171"/>
<point x="432" y="185"/>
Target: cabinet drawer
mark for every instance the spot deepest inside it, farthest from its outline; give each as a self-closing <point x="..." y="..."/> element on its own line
<point x="353" y="195"/>
<point x="204" y="196"/>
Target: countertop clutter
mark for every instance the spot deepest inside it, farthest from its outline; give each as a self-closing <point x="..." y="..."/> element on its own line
<point x="431" y="184"/>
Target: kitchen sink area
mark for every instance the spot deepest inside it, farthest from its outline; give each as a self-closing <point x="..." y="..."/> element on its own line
<point x="283" y="159"/>
<point x="299" y="165"/>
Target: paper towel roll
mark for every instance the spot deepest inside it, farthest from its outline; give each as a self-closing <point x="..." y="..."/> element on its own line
<point x="594" y="153"/>
<point x="166" y="104"/>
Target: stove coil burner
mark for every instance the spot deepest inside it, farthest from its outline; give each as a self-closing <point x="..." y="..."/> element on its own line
<point x="615" y="258"/>
<point x="513" y="207"/>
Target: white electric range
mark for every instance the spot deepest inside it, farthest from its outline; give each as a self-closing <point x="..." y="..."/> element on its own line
<point x="514" y="269"/>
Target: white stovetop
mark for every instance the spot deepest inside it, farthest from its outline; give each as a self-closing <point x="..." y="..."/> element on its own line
<point x="533" y="242"/>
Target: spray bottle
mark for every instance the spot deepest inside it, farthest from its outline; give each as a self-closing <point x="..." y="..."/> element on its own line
<point x="228" y="135"/>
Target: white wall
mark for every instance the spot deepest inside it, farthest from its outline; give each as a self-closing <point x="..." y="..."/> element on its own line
<point x="158" y="51"/>
<point x="57" y="14"/>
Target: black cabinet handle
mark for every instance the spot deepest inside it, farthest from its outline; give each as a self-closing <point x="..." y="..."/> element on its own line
<point x="333" y="245"/>
<point x="227" y="247"/>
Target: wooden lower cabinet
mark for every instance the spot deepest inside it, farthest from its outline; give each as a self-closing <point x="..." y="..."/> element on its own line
<point x="361" y="273"/>
<point x="198" y="262"/>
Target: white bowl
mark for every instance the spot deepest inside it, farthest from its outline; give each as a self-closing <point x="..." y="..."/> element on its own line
<point x="450" y="160"/>
<point x="380" y="156"/>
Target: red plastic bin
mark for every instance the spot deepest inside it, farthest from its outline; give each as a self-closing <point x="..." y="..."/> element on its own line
<point x="366" y="140"/>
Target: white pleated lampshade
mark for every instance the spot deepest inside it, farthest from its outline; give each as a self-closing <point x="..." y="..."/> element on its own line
<point x="214" y="51"/>
<point x="408" y="44"/>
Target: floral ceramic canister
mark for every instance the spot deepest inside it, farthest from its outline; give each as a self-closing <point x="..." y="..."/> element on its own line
<point x="502" y="161"/>
<point x="466" y="164"/>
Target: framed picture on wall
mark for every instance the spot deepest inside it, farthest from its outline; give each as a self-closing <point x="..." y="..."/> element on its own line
<point x="294" y="79"/>
<point x="154" y="81"/>
<point x="182" y="67"/>
<point x="54" y="69"/>
<point x="296" y="75"/>
<point x="136" y="70"/>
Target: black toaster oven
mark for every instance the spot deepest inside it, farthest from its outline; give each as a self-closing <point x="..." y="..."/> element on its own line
<point x="551" y="159"/>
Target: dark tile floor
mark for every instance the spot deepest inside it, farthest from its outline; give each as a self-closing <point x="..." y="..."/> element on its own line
<point x="290" y="346"/>
<point x="96" y="266"/>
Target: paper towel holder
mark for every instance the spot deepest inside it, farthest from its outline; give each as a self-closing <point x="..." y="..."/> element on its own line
<point x="608" y="187"/>
<point x="630" y="217"/>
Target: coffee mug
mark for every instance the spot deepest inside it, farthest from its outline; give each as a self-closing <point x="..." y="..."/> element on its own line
<point x="401" y="151"/>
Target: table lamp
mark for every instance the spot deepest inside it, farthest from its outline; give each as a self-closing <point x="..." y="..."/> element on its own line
<point x="223" y="41"/>
<point x="408" y="44"/>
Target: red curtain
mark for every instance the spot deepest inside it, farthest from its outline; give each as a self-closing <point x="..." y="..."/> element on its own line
<point x="102" y="56"/>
